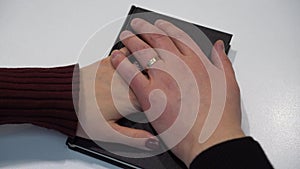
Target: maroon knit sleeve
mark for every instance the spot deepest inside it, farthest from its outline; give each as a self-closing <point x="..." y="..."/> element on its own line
<point x="40" y="96"/>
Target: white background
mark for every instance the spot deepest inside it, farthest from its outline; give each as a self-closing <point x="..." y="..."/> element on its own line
<point x="267" y="65"/>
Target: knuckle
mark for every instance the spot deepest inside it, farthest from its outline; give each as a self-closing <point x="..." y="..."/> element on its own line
<point x="143" y="47"/>
<point x="145" y="51"/>
<point x="166" y="25"/>
<point x="160" y="41"/>
<point x="156" y="37"/>
<point x="180" y="36"/>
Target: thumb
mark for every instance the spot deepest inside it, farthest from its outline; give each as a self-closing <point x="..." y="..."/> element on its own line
<point x="219" y="57"/>
<point x="145" y="141"/>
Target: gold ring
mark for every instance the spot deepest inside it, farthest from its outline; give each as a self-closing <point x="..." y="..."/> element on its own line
<point x="152" y="61"/>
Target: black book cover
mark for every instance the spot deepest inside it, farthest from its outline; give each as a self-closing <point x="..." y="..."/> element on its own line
<point x="150" y="16"/>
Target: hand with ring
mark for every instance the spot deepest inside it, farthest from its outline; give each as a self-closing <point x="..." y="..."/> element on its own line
<point x="177" y="73"/>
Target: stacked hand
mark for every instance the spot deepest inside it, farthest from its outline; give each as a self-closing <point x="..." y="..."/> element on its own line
<point x="197" y="99"/>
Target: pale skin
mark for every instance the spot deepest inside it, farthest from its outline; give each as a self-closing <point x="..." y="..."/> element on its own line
<point x="229" y="125"/>
<point x="98" y="76"/>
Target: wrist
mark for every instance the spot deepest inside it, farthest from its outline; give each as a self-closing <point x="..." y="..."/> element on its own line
<point x="195" y="148"/>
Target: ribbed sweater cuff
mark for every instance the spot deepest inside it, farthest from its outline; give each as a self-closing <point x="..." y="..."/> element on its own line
<point x="40" y="96"/>
<point x="238" y="153"/>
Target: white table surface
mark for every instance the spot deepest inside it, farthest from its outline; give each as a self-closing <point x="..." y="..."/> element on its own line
<point x="267" y="65"/>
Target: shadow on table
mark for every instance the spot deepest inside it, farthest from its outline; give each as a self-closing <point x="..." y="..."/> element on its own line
<point x="245" y="120"/>
<point x="27" y="144"/>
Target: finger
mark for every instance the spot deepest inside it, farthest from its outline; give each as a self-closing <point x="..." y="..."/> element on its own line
<point x="219" y="57"/>
<point x="143" y="139"/>
<point x="141" y="50"/>
<point x="182" y="40"/>
<point x="153" y="35"/>
<point x="125" y="51"/>
<point x="129" y="72"/>
<point x="215" y="52"/>
<point x="226" y="66"/>
<point x="176" y="34"/>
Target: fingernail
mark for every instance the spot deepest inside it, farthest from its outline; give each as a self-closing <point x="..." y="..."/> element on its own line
<point x="221" y="46"/>
<point x="115" y="54"/>
<point x="152" y="144"/>
<point x="125" y="34"/>
<point x="159" y="22"/>
<point x="135" y="21"/>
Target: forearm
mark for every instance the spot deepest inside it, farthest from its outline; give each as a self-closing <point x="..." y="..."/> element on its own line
<point x="40" y="96"/>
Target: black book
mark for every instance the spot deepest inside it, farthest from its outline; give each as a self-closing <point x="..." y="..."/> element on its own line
<point x="167" y="159"/>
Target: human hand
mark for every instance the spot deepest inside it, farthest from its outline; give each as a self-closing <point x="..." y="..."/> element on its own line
<point x="97" y="112"/>
<point x="182" y="82"/>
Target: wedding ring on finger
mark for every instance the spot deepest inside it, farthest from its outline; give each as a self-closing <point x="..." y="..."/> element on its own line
<point x="152" y="61"/>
